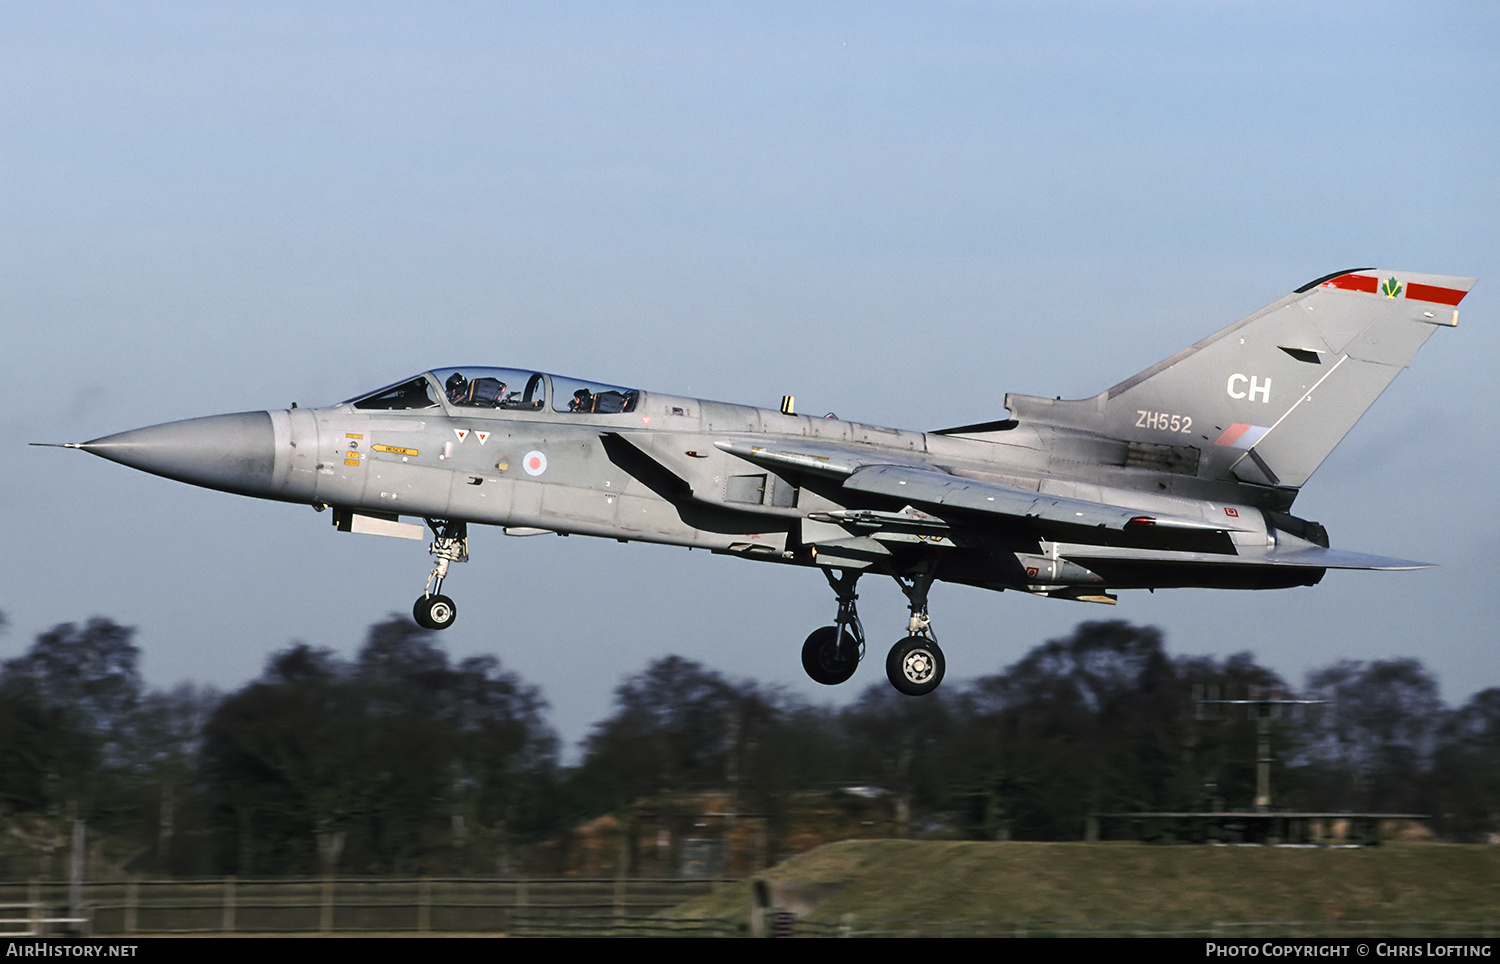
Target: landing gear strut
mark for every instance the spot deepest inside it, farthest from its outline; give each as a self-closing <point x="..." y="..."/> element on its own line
<point x="450" y="543"/>
<point x="915" y="665"/>
<point x="832" y="654"/>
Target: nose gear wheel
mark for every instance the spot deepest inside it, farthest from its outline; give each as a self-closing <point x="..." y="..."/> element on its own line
<point x="450" y="543"/>
<point x="434" y="612"/>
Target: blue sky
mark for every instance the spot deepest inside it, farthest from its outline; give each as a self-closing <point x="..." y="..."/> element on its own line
<point x="897" y="212"/>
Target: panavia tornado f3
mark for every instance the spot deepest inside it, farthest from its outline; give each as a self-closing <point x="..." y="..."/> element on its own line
<point x="1182" y="475"/>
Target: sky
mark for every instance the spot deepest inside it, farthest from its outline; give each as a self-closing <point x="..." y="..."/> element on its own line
<point x="897" y="212"/>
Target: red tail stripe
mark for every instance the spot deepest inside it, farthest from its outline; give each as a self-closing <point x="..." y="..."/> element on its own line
<point x="1354" y="282"/>
<point x="1433" y="293"/>
<point x="1415" y="291"/>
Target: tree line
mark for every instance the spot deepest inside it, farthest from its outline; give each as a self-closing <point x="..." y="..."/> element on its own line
<point x="402" y="760"/>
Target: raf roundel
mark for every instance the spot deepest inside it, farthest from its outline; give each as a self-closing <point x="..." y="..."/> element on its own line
<point x="535" y="463"/>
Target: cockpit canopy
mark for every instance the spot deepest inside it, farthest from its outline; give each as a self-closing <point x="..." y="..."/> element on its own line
<point x="512" y="389"/>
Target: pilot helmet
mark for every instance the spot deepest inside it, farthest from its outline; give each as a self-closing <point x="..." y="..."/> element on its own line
<point x="455" y="384"/>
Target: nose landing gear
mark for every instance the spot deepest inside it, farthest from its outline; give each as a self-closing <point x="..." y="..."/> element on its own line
<point x="450" y="543"/>
<point x="434" y="612"/>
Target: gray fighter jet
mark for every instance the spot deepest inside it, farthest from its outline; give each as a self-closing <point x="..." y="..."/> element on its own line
<point x="1182" y="475"/>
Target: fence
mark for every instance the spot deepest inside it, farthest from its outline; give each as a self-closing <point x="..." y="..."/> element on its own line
<point x="29" y="920"/>
<point x="1209" y="930"/>
<point x="552" y="907"/>
<point x="362" y="905"/>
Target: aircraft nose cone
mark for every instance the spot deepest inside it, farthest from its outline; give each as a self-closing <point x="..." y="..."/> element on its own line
<point x="233" y="453"/>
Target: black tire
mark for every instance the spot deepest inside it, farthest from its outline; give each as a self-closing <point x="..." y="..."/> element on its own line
<point x="434" y="612"/>
<point x="822" y="659"/>
<point x="915" y="666"/>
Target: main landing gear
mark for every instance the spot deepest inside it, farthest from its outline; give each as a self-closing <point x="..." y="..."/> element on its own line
<point x="915" y="665"/>
<point x="450" y="543"/>
<point x="832" y="654"/>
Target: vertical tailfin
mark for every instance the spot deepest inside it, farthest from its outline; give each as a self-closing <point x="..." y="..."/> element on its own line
<point x="1268" y="398"/>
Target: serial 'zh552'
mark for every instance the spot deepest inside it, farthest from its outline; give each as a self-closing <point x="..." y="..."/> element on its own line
<point x="1182" y="475"/>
